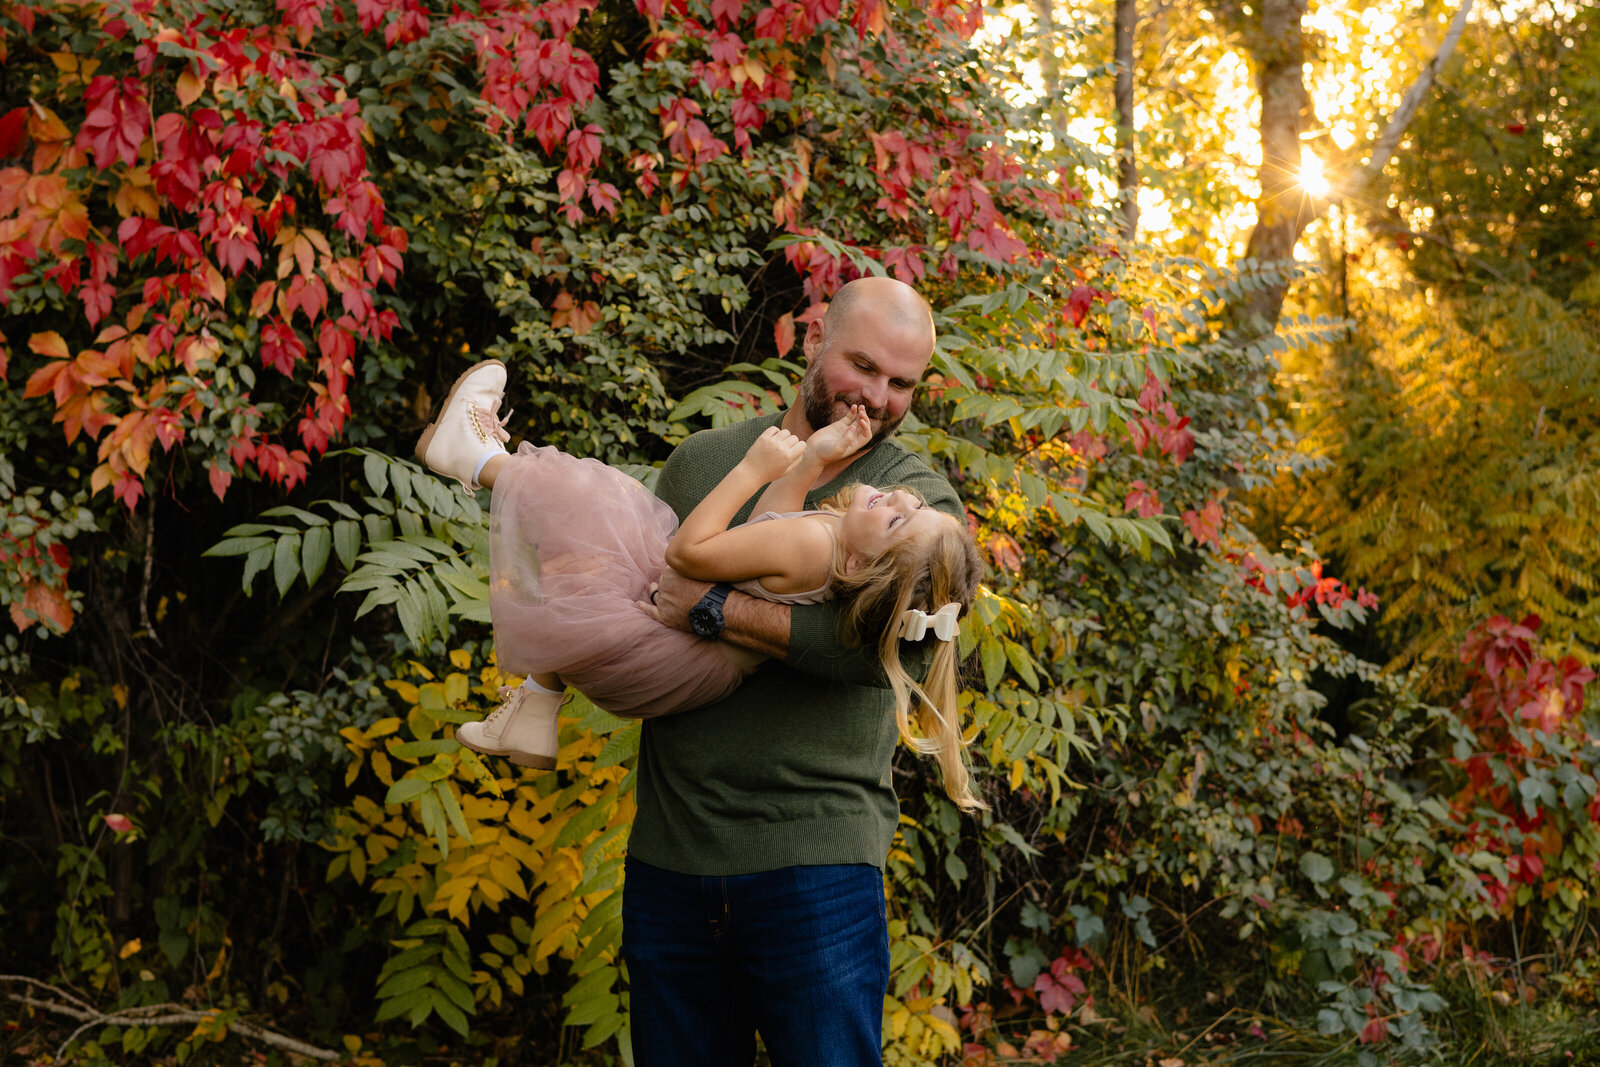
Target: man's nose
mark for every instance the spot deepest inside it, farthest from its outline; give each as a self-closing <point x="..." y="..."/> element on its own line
<point x="876" y="394"/>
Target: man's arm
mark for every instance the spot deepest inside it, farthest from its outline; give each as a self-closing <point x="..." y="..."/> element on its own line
<point x="749" y="622"/>
<point x="805" y="636"/>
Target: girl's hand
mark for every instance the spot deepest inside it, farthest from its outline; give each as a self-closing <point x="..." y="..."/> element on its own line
<point x="773" y="454"/>
<point x="843" y="437"/>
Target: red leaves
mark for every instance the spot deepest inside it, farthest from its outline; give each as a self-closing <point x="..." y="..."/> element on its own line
<point x="307" y="294"/>
<point x="1171" y="434"/>
<point x="1205" y="525"/>
<point x="966" y="204"/>
<point x="869" y="18"/>
<point x="568" y="312"/>
<point x="604" y="196"/>
<point x="645" y="163"/>
<point x="688" y="137"/>
<point x="1375" y="1031"/>
<point x="281" y="466"/>
<point x="281" y="347"/>
<point x="304" y="17"/>
<point x="1079" y="301"/>
<point x="13" y="125"/>
<point x="1143" y="500"/>
<point x="1060" y="988"/>
<point x="219" y="479"/>
<point x="1513" y="687"/>
<point x="783" y="334"/>
<point x="118" y="120"/>
<point x="1511" y="678"/>
<point x="906" y="264"/>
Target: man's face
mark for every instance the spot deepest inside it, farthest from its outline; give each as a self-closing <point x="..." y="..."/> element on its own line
<point x="870" y="359"/>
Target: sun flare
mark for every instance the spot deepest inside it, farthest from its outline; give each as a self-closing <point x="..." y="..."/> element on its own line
<point x="1312" y="178"/>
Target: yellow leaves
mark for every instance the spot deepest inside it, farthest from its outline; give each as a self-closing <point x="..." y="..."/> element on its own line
<point x="404" y="690"/>
<point x="381" y="767"/>
<point x="211" y="1027"/>
<point x="130" y="949"/>
<point x="75" y="68"/>
<point x="133" y="194"/>
<point x="752" y="70"/>
<point x="190" y="85"/>
<point x="49" y="344"/>
<point x="917" y="1016"/>
<point x="1019" y="771"/>
<point x="299" y="249"/>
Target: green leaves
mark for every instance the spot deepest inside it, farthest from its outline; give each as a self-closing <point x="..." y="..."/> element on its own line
<point x="1316" y="867"/>
<point x="434" y="569"/>
<point x="431" y="975"/>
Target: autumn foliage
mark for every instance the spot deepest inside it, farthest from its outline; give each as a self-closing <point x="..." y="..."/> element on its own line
<point x="244" y="246"/>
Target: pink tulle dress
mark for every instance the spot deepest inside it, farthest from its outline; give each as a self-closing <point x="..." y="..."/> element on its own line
<point x="573" y="547"/>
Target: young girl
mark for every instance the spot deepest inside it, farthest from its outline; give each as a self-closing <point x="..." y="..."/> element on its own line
<point x="576" y="546"/>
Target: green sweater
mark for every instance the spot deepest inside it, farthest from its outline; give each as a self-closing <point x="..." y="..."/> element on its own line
<point x="793" y="768"/>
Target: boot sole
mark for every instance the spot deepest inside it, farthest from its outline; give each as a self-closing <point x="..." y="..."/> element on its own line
<point x="521" y="759"/>
<point x="427" y="434"/>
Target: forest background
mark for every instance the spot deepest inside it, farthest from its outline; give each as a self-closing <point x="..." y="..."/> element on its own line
<point x="1267" y="370"/>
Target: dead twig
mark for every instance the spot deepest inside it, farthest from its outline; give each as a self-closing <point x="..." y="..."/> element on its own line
<point x="65" y="1004"/>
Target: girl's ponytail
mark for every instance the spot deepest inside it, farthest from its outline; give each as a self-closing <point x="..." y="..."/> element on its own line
<point x="876" y="595"/>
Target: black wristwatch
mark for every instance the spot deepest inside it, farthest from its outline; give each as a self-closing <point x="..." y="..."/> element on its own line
<point x="705" y="618"/>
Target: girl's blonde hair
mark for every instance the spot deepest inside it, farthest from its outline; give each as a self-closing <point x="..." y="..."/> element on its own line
<point x="926" y="574"/>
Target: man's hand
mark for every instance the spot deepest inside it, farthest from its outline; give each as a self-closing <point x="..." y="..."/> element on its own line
<point x="671" y="598"/>
<point x="773" y="454"/>
<point x="845" y="436"/>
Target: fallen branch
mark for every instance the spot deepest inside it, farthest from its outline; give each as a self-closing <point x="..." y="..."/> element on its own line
<point x="65" y="1004"/>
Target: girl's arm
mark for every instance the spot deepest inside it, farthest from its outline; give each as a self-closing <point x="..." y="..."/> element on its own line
<point x="791" y="553"/>
<point x="843" y="437"/>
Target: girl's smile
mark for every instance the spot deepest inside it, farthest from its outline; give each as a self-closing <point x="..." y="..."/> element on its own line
<point x="879" y="518"/>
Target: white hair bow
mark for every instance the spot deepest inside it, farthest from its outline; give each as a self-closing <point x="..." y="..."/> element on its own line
<point x="942" y="623"/>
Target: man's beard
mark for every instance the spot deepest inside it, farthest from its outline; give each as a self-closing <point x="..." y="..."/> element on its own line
<point x="820" y="409"/>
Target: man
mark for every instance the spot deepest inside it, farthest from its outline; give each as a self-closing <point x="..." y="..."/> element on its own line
<point x="754" y="893"/>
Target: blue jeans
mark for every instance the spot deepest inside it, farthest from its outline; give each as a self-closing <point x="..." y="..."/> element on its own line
<point x="799" y="954"/>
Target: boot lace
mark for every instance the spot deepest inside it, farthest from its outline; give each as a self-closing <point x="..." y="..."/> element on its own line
<point x="491" y="423"/>
<point x="510" y="697"/>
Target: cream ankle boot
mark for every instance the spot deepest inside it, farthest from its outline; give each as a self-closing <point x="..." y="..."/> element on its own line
<point x="523" y="728"/>
<point x="466" y="429"/>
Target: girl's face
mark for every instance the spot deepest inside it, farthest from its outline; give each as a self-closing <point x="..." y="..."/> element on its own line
<point x="877" y="519"/>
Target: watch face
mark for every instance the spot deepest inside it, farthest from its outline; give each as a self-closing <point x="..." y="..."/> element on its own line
<point x="705" y="621"/>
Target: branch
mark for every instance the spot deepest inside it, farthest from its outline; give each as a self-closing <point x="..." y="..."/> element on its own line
<point x="1389" y="139"/>
<point x="63" y="1003"/>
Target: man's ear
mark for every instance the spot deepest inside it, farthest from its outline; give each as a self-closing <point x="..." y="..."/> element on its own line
<point x="813" y="339"/>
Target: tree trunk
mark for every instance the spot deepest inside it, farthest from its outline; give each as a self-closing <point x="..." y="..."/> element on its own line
<point x="1284" y="209"/>
<point x="1044" y="16"/>
<point x="1127" y="149"/>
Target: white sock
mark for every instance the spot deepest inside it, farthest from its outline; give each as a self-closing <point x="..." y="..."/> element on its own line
<point x="483" y="461"/>
<point x="529" y="683"/>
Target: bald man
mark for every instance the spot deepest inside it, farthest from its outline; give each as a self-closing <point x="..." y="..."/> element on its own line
<point x="754" y="897"/>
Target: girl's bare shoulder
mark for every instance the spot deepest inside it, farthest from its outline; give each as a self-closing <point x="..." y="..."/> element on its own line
<point x="802" y="548"/>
